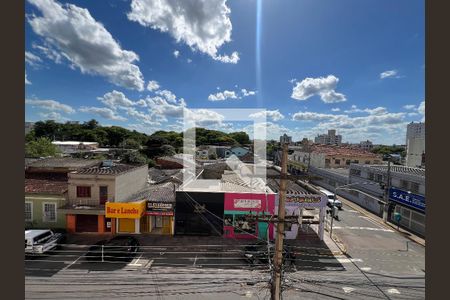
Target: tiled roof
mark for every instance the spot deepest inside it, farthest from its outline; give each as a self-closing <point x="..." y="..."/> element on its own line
<point x="342" y="151"/>
<point x="159" y="175"/>
<point x="399" y="169"/>
<point x="116" y="169"/>
<point x="164" y="192"/>
<point x="45" y="184"/>
<point x="66" y="162"/>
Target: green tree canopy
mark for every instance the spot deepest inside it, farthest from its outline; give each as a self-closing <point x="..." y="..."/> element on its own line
<point x="41" y="147"/>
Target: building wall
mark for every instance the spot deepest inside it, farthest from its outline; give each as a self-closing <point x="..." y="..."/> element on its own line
<point x="94" y="181"/>
<point x="130" y="182"/>
<point x="415" y="149"/>
<point x="38" y="211"/>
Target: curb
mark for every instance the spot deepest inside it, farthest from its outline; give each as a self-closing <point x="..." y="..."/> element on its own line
<point x="386" y="225"/>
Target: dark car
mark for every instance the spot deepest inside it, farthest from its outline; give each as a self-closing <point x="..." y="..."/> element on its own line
<point x="259" y="253"/>
<point x="120" y="248"/>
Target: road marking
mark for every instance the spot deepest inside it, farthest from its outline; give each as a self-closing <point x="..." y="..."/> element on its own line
<point x="393" y="291"/>
<point x="340" y="260"/>
<point x="248" y="294"/>
<point x="72" y="263"/>
<point x="351" y="210"/>
<point x="348" y="289"/>
<point x="195" y="260"/>
<point x="363" y="228"/>
<point x="366" y="269"/>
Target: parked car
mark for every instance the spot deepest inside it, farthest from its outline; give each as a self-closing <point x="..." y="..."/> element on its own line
<point x="258" y="253"/>
<point x="331" y="200"/>
<point x="121" y="247"/>
<point x="40" y="241"/>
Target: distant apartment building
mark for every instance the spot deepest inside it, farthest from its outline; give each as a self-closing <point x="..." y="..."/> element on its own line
<point x="326" y="156"/>
<point x="415" y="144"/>
<point x="366" y="145"/>
<point x="69" y="147"/>
<point x="329" y="139"/>
<point x="285" y="139"/>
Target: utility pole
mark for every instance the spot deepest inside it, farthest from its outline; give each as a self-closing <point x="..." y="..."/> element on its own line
<point x="386" y="192"/>
<point x="278" y="258"/>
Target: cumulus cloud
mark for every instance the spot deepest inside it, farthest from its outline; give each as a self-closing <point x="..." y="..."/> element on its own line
<point x="246" y="93"/>
<point x="53" y="116"/>
<point x="49" y="52"/>
<point x="322" y="86"/>
<point x="313" y="116"/>
<point x="167" y="94"/>
<point x="115" y="99"/>
<point x="50" y="105"/>
<point x="26" y="79"/>
<point x="389" y="74"/>
<point x="32" y="59"/>
<point x="189" y="60"/>
<point x="409" y="107"/>
<point x="421" y="108"/>
<point x="103" y="112"/>
<point x="371" y="111"/>
<point x="141" y="117"/>
<point x="153" y="85"/>
<point x="203" y="25"/>
<point x="336" y="109"/>
<point x="176" y="53"/>
<point x="86" y="43"/>
<point x="275" y="115"/>
<point x="160" y="109"/>
<point x="221" y="96"/>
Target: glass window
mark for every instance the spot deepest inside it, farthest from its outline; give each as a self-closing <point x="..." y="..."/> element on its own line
<point x="49" y="212"/>
<point x="28" y="211"/>
<point x="414" y="187"/>
<point x="228" y="220"/>
<point x="103" y="194"/>
<point x="404" y="184"/>
<point x="244" y="226"/>
<point x="371" y="176"/>
<point x="337" y="161"/>
<point x="83" y="191"/>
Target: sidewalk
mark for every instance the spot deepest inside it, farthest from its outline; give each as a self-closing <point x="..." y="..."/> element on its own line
<point x="380" y="221"/>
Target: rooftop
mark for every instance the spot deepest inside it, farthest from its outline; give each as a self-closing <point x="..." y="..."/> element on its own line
<point x="46" y="184"/>
<point x="164" y="192"/>
<point x="66" y="162"/>
<point x="75" y="143"/>
<point x="115" y="169"/>
<point x="398" y="169"/>
<point x="342" y="151"/>
<point x="162" y="175"/>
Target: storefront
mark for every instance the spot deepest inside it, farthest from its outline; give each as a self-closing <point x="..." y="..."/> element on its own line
<point x="411" y="208"/>
<point x="295" y="205"/>
<point x="158" y="218"/>
<point x="238" y="205"/>
<point x="127" y="216"/>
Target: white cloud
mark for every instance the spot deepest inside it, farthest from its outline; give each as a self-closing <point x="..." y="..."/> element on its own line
<point x="86" y="43"/>
<point x="409" y="107"/>
<point x="313" y="116"/>
<point x="371" y="111"/>
<point x="413" y="114"/>
<point x="221" y="96"/>
<point x="32" y="59"/>
<point x="167" y="94"/>
<point x="421" y="108"/>
<point x="189" y="60"/>
<point x="336" y="109"/>
<point x="49" y="52"/>
<point x="153" y="85"/>
<point x="204" y="25"/>
<point x="176" y="53"/>
<point x="141" y="103"/>
<point x="142" y="117"/>
<point x="115" y="99"/>
<point x="26" y="79"/>
<point x="160" y="109"/>
<point x="275" y="115"/>
<point x="205" y="117"/>
<point x="246" y="93"/>
<point x="389" y="74"/>
<point x="103" y="112"/>
<point x="53" y="116"/>
<point x="51" y="105"/>
<point x="322" y="86"/>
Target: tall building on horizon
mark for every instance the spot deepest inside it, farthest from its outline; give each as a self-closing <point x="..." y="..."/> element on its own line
<point x="415" y="144"/>
<point x="329" y="139"/>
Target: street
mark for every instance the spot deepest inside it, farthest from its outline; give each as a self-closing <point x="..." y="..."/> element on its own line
<point x="376" y="265"/>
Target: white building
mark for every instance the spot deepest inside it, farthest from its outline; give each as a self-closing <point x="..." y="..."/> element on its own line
<point x="366" y="145"/>
<point x="74" y="146"/>
<point x="285" y="139"/>
<point x="415" y="144"/>
<point x="329" y="139"/>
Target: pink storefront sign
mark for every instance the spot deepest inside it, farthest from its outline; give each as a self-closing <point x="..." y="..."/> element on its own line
<point x="250" y="202"/>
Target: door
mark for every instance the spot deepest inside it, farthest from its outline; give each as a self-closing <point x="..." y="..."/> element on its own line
<point x="86" y="223"/>
<point x="145" y="224"/>
<point x="103" y="195"/>
<point x="167" y="225"/>
<point x="126" y="225"/>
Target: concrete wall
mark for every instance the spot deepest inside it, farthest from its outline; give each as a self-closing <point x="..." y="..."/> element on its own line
<point x="94" y="181"/>
<point x="38" y="211"/>
<point x="130" y="182"/>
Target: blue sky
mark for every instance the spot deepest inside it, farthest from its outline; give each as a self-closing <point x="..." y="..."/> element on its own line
<point x="350" y="65"/>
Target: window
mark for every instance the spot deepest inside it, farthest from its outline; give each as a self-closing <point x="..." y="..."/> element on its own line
<point x="49" y="212"/>
<point x="355" y="172"/>
<point x="379" y="178"/>
<point x="83" y="191"/>
<point x="367" y="162"/>
<point x="371" y="176"/>
<point x="347" y="162"/>
<point x="337" y="161"/>
<point x="28" y="211"/>
<point x="327" y="161"/>
<point x="404" y="184"/>
<point x="414" y="187"/>
<point x="103" y="195"/>
<point x="356" y="161"/>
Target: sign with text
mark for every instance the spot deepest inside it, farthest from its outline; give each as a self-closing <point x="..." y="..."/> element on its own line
<point x="159" y="209"/>
<point x="305" y="200"/>
<point x="247" y="203"/>
<point x="128" y="210"/>
<point x="408" y="199"/>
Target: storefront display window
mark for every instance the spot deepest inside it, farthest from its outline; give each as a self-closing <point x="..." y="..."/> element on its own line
<point x="244" y="226"/>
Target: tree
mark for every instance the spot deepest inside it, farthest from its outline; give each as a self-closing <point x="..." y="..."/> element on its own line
<point x="240" y="137"/>
<point x="134" y="158"/>
<point x="92" y="124"/>
<point x="213" y="156"/>
<point x="42" y="147"/>
<point x="130" y="144"/>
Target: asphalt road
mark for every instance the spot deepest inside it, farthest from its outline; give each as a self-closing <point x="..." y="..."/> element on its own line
<point x="377" y="266"/>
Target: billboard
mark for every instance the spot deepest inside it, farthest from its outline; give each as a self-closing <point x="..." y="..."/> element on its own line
<point x="407" y="198"/>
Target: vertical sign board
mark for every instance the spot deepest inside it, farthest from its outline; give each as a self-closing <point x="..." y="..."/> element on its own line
<point x="407" y="198"/>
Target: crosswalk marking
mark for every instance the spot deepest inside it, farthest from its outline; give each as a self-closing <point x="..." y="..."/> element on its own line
<point x="366" y="269"/>
<point x="393" y="291"/>
<point x="339" y="260"/>
<point x="363" y="228"/>
<point x="348" y="289"/>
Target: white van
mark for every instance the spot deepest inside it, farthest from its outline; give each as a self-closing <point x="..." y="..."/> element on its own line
<point x="331" y="200"/>
<point x="39" y="241"/>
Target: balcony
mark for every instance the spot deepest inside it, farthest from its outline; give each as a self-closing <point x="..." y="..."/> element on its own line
<point x="84" y="202"/>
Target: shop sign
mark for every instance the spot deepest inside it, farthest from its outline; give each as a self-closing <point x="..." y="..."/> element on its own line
<point x="247" y="203"/>
<point x="128" y="210"/>
<point x="159" y="209"/>
<point x="408" y="199"/>
<point x="305" y="200"/>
